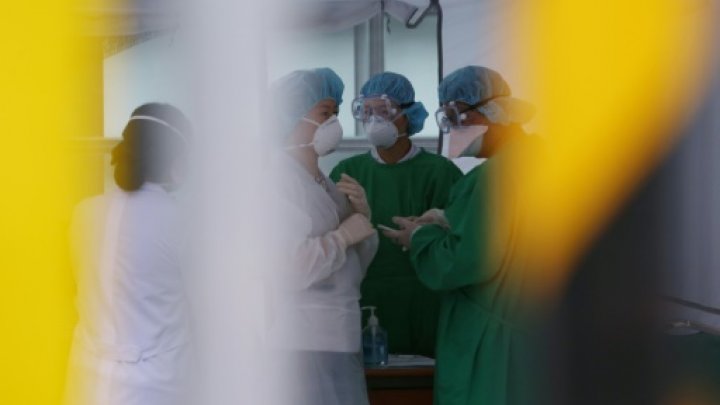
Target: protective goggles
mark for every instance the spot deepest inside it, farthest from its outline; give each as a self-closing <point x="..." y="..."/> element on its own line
<point x="380" y="106"/>
<point x="452" y="116"/>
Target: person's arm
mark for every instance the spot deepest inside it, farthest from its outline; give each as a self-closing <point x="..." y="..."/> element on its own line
<point x="448" y="175"/>
<point x="313" y="259"/>
<point x="446" y="259"/>
<point x="367" y="250"/>
<point x="439" y="259"/>
<point x="317" y="258"/>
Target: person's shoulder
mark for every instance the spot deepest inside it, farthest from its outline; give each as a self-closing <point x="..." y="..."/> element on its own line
<point x="90" y="206"/>
<point x="89" y="213"/>
<point x="465" y="186"/>
<point x="432" y="157"/>
<point x="429" y="156"/>
<point x="477" y="170"/>
<point x="92" y="201"/>
<point x="470" y="179"/>
<point x="150" y="196"/>
<point x="440" y="162"/>
<point x="351" y="163"/>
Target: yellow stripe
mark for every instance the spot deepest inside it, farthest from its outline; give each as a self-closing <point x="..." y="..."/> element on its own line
<point x="43" y="85"/>
<point x="613" y="81"/>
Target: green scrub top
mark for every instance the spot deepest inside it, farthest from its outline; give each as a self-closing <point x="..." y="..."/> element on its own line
<point x="406" y="308"/>
<point x="478" y="265"/>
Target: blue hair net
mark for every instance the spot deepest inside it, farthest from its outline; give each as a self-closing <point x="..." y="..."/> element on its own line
<point x="298" y="92"/>
<point x="398" y="88"/>
<point x="477" y="84"/>
<point x="471" y="85"/>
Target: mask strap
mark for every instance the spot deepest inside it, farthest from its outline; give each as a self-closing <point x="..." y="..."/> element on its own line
<point x="481" y="103"/>
<point x="300" y="146"/>
<point x="311" y="121"/>
<point x="303" y="145"/>
<point x="157" y="120"/>
<point x="402" y="112"/>
<point x="317" y="124"/>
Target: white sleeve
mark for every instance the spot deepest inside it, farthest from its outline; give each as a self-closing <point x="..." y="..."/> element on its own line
<point x="367" y="250"/>
<point x="311" y="259"/>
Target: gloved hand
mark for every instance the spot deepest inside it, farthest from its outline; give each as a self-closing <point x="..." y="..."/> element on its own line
<point x="403" y="235"/>
<point x="355" y="193"/>
<point x="433" y="216"/>
<point x="355" y="229"/>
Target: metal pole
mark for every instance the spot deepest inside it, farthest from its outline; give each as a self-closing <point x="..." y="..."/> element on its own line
<point x="377" y="44"/>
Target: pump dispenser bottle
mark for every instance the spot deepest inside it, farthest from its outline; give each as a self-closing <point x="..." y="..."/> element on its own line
<point x="374" y="337"/>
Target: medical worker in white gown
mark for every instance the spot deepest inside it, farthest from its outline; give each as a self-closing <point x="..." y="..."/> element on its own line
<point x="131" y="342"/>
<point x="329" y="243"/>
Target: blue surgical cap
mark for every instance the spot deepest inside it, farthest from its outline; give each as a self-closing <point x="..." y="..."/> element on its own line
<point x="398" y="88"/>
<point x="480" y="85"/>
<point x="471" y="85"/>
<point x="298" y="92"/>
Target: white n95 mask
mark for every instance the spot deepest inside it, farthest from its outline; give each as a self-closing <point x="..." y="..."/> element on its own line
<point x="380" y="132"/>
<point x="327" y="135"/>
<point x="466" y="141"/>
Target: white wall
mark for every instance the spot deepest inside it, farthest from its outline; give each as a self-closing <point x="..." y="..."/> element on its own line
<point x="152" y="71"/>
<point x="313" y="50"/>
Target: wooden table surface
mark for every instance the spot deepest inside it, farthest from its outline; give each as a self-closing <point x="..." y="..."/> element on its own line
<point x="400" y="386"/>
<point x="400" y="372"/>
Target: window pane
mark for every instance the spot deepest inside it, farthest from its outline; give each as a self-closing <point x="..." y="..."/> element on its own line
<point x="311" y="50"/>
<point x="150" y="71"/>
<point x="413" y="53"/>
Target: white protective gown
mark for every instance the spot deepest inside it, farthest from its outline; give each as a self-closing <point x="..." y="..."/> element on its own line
<point x="318" y="322"/>
<point x="130" y="344"/>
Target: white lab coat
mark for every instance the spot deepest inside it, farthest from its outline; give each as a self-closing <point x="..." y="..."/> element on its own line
<point x="130" y="344"/>
<point x="319" y="317"/>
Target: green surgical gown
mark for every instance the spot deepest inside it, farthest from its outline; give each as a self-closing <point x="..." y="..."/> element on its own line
<point x="406" y="308"/>
<point x="479" y="267"/>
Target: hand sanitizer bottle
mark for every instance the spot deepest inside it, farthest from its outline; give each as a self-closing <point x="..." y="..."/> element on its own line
<point x="375" y="349"/>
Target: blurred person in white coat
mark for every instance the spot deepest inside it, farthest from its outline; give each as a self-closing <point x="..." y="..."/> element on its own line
<point x="329" y="243"/>
<point x="131" y="341"/>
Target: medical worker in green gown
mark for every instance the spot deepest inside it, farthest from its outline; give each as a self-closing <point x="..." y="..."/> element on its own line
<point x="400" y="179"/>
<point x="473" y="250"/>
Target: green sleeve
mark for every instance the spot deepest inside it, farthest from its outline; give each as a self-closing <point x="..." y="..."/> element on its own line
<point x="451" y="259"/>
